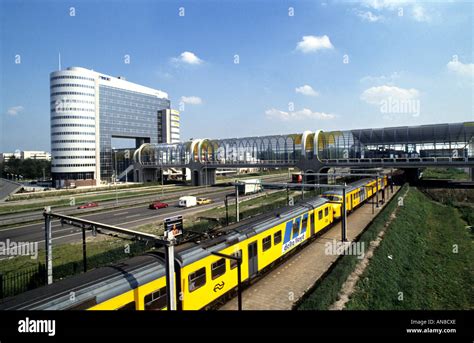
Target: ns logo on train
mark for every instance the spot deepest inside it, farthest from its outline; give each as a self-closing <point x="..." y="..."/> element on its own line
<point x="293" y="236"/>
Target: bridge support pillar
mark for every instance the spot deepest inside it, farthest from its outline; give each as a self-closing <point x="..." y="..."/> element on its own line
<point x="146" y="174"/>
<point x="471" y="172"/>
<point x="204" y="176"/>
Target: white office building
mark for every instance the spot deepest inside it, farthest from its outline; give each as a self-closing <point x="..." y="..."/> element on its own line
<point x="88" y="109"/>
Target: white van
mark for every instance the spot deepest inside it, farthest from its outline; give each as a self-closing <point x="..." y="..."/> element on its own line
<point x="187" y="201"/>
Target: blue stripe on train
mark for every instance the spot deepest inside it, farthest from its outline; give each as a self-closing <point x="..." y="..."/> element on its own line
<point x="289" y="226"/>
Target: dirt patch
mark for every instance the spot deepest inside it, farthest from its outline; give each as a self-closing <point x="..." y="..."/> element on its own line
<point x="348" y="287"/>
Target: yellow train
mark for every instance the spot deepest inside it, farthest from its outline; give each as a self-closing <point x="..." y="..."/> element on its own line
<point x="202" y="278"/>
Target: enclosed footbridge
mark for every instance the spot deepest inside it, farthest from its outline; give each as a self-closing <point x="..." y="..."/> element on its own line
<point x="443" y="145"/>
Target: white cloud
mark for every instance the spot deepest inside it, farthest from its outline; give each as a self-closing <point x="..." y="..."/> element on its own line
<point x="385" y="4"/>
<point x="314" y="43"/>
<point x="369" y="16"/>
<point x="305" y="113"/>
<point x="375" y="95"/>
<point x="461" y="68"/>
<point x="191" y="100"/>
<point x="382" y="79"/>
<point x="13" y="111"/>
<point x="416" y="9"/>
<point x="419" y="14"/>
<point x="306" y="90"/>
<point x="188" y="58"/>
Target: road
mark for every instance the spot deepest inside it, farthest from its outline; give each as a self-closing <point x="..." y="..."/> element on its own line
<point x="14" y="218"/>
<point x="126" y="217"/>
<point x="7" y="219"/>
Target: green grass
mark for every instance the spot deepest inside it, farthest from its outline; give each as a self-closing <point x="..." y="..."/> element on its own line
<point x="327" y="288"/>
<point x="424" y="267"/>
<point x="445" y="173"/>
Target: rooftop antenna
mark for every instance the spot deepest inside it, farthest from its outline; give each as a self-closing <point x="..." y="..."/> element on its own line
<point x="59" y="61"/>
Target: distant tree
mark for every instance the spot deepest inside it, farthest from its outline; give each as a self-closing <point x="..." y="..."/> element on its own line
<point x="13" y="165"/>
<point x="28" y="168"/>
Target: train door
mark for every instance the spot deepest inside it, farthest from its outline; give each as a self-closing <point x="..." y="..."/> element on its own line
<point x="312" y="223"/>
<point x="253" y="262"/>
<point x="362" y="194"/>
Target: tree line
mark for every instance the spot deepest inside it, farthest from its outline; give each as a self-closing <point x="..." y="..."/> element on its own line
<point x="29" y="168"/>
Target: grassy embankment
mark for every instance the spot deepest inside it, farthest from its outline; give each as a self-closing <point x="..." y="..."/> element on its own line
<point x="445" y="174"/>
<point x="431" y="250"/>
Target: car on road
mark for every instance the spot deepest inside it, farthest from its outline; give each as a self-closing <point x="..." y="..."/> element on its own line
<point x="204" y="201"/>
<point x="88" y="205"/>
<point x="157" y="204"/>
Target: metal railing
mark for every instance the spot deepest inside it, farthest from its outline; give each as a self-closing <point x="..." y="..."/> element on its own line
<point x="18" y="282"/>
<point x="459" y="160"/>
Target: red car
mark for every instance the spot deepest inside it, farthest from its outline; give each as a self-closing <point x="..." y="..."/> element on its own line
<point x="157" y="204"/>
<point x="88" y="205"/>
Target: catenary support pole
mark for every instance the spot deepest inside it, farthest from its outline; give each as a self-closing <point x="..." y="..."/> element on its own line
<point x="344" y="215"/>
<point x="48" y="246"/>
<point x="84" y="251"/>
<point x="170" y="277"/>
<point x="377" y="190"/>
<point x="237" y="210"/>
<point x="239" y="283"/>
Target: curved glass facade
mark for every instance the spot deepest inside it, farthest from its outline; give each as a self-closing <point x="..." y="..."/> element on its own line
<point x="455" y="141"/>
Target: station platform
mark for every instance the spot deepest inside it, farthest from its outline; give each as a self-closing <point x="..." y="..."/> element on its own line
<point x="283" y="286"/>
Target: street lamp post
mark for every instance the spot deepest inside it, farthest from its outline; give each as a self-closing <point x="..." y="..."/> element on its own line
<point x="115" y="176"/>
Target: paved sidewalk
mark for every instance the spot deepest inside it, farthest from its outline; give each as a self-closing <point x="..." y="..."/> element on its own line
<point x="284" y="285"/>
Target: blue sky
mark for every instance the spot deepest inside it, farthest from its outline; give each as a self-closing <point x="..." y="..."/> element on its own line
<point x="303" y="65"/>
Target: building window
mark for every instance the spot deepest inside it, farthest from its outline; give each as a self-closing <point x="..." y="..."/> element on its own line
<point x="267" y="243"/>
<point x="156" y="300"/>
<point x="197" y="279"/>
<point x="277" y="237"/>
<point x="218" y="269"/>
